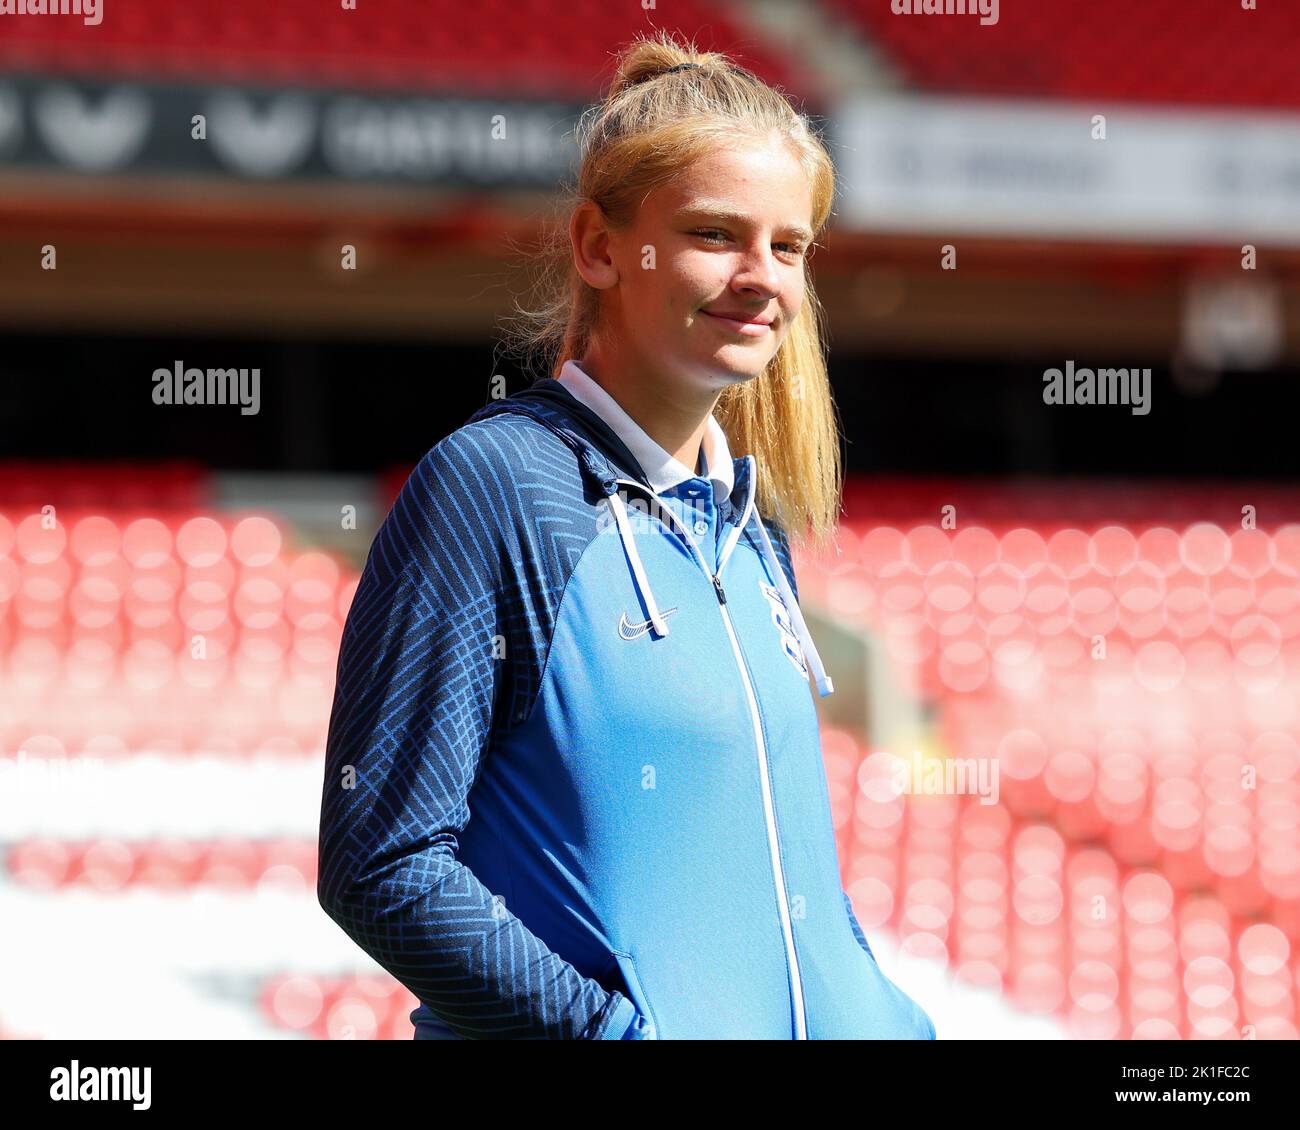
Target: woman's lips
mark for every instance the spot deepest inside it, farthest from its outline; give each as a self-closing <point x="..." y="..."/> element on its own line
<point x="749" y="329"/>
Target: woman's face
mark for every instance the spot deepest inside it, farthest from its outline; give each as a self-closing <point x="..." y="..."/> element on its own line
<point x="729" y="236"/>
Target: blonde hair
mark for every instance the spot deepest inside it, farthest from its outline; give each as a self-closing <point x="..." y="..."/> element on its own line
<point x="651" y="125"/>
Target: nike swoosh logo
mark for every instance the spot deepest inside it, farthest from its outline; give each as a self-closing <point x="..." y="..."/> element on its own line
<point x="630" y="631"/>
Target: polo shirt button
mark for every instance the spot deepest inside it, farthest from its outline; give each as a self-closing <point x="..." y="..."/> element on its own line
<point x="701" y="527"/>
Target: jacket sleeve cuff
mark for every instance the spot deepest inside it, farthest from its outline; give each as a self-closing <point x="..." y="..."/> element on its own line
<point x="621" y="1020"/>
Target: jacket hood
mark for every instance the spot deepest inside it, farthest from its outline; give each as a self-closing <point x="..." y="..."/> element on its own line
<point x="586" y="432"/>
<point x="602" y="454"/>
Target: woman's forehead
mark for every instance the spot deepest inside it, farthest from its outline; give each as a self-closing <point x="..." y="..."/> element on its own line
<point x="738" y="180"/>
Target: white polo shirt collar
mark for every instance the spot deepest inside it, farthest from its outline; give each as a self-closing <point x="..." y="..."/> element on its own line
<point x="662" y="470"/>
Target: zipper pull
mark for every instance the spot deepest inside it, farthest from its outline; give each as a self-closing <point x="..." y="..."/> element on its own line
<point x="717" y="584"/>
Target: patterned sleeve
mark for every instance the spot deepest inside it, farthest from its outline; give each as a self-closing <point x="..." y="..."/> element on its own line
<point x="418" y="684"/>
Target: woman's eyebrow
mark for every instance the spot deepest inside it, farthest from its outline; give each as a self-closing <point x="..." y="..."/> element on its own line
<point x="730" y="215"/>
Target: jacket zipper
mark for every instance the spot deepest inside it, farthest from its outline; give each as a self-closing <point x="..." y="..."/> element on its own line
<point x="769" y="812"/>
<point x="778" y="873"/>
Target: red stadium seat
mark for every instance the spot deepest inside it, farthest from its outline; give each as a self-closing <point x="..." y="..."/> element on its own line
<point x="1163" y="51"/>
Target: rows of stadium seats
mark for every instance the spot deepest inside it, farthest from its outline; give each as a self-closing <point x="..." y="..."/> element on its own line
<point x="1135" y="686"/>
<point x="510" y="47"/>
<point x="1193" y="52"/>
<point x="339" y="1008"/>
<point x="1121" y="779"/>
<point x="972" y="609"/>
<point x="1134" y="681"/>
<point x="163" y="864"/>
<point x="1061" y="925"/>
<point x="188" y="631"/>
<point x="1199" y="52"/>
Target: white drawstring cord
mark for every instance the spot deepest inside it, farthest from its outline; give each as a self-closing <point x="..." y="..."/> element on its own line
<point x="660" y="626"/>
<point x="657" y="621"/>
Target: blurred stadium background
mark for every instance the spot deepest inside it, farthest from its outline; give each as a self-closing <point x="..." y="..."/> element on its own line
<point x="173" y="580"/>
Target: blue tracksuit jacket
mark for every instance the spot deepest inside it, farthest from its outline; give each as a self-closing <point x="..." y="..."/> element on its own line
<point x="573" y="781"/>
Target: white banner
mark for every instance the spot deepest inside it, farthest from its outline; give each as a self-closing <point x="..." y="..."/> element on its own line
<point x="1003" y="167"/>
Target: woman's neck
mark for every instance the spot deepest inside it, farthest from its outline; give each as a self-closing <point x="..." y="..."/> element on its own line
<point x="672" y="419"/>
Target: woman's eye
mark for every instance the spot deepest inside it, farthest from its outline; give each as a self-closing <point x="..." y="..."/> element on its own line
<point x="795" y="249"/>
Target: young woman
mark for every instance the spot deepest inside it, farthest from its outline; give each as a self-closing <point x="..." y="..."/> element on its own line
<point x="573" y="786"/>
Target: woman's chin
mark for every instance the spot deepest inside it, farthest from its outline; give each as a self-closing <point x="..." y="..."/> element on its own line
<point x="740" y="363"/>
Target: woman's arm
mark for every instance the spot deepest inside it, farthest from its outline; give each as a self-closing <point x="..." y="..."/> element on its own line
<point x="418" y="681"/>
